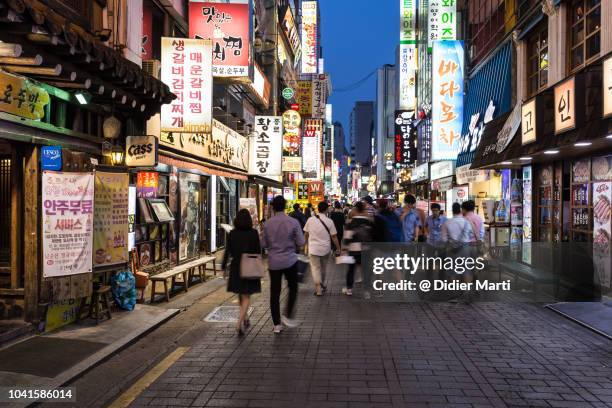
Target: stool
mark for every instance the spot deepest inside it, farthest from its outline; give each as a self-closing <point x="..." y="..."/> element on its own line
<point x="99" y="305"/>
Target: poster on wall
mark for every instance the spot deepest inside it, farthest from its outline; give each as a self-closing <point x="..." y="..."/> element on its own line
<point x="447" y="106"/>
<point x="310" y="45"/>
<point x="189" y="232"/>
<point x="250" y="204"/>
<point x="228" y="26"/>
<point x="602" y="230"/>
<point x="147" y="183"/>
<point x="265" y="157"/>
<point x="110" y="245"/>
<point x="67" y="223"/>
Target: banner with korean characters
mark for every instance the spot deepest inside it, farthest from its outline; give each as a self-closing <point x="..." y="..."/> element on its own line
<point x="303" y="97"/>
<point x="319" y="96"/>
<point x="111" y="218"/>
<point x="22" y="97"/>
<point x="602" y="224"/>
<point x="265" y="156"/>
<point x="67" y="223"/>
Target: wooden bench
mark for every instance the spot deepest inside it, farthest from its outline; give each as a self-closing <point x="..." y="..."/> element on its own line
<point x="187" y="271"/>
<point x="535" y="275"/>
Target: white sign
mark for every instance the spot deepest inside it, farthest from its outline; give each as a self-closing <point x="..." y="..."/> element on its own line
<point x="266" y="153"/>
<point x="607" y="87"/>
<point x="141" y="151"/>
<point x="460" y="194"/>
<point x="309" y="37"/>
<point x="442" y="169"/>
<point x="288" y="193"/>
<point x="529" y="131"/>
<point x="565" y="105"/>
<point x="442" y="17"/>
<point x="186" y="67"/>
<point x="67" y="223"/>
<point x="407" y="76"/>
<point x="420" y="173"/>
<point x="408" y="19"/>
<point x="311" y="149"/>
<point x="226" y="146"/>
<point x="464" y="175"/>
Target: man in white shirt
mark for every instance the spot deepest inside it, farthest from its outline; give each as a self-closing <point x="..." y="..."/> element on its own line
<point x="320" y="232"/>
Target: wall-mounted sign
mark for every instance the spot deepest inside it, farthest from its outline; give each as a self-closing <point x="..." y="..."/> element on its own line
<point x="442" y="16"/>
<point x="442" y="169"/>
<point x="420" y="173"/>
<point x="228" y="25"/>
<point x="443" y="184"/>
<point x="291" y="31"/>
<point x="110" y="227"/>
<point x="309" y="37"/>
<point x="187" y="70"/>
<point x="405" y="139"/>
<point x="311" y="148"/>
<point x="607" y="87"/>
<point x="147" y="32"/>
<point x="407" y="20"/>
<point x="228" y="147"/>
<point x="22" y="97"/>
<point x="529" y="120"/>
<point x="303" y="97"/>
<point x="261" y="85"/>
<point x="319" y="96"/>
<point x="407" y="76"/>
<point x="265" y="156"/>
<point x="292" y="160"/>
<point x="141" y="151"/>
<point x="464" y="175"/>
<point x="447" y="95"/>
<point x="51" y="158"/>
<point x="288" y="93"/>
<point x="565" y="105"/>
<point x="506" y="134"/>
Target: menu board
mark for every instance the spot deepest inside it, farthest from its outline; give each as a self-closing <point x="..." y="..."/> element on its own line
<point x="581" y="171"/>
<point x="111" y="218"/>
<point x="67" y="221"/>
<point x="602" y="168"/>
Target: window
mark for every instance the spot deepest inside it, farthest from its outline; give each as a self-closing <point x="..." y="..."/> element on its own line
<point x="584" y="32"/>
<point x="537" y="57"/>
<point x="489" y="21"/>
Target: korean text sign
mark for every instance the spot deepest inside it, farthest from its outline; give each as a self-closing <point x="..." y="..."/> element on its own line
<point x="311" y="148"/>
<point x="21" y="97"/>
<point x="447" y="98"/>
<point x="228" y="26"/>
<point x="111" y="218"/>
<point x="292" y="141"/>
<point x="442" y="16"/>
<point x="405" y="139"/>
<point x="309" y="37"/>
<point x="67" y="218"/>
<point x="187" y="70"/>
<point x="265" y="157"/>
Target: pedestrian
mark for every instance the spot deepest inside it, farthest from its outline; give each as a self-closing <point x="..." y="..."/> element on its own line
<point x="357" y="232"/>
<point x="411" y="221"/>
<point x="243" y="239"/>
<point x="308" y="212"/>
<point x="387" y="225"/>
<point x="298" y="215"/>
<point x="476" y="234"/>
<point x="370" y="209"/>
<point x="433" y="226"/>
<point x="321" y="238"/>
<point x="282" y="237"/>
<point x="339" y="219"/>
<point x="455" y="229"/>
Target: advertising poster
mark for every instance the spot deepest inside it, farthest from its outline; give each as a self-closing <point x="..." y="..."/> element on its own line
<point x="447" y="106"/>
<point x="311" y="148"/>
<point x="602" y="229"/>
<point x="309" y="37"/>
<point x="189" y="233"/>
<point x="527" y="215"/>
<point x="460" y="194"/>
<point x="67" y="218"/>
<point x="147" y="183"/>
<point x="251" y="205"/>
<point x="292" y="141"/>
<point x="111" y="218"/>
<point x="228" y="26"/>
<point x="265" y="157"/>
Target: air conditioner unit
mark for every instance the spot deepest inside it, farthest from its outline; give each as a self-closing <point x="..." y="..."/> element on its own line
<point x="152" y="67"/>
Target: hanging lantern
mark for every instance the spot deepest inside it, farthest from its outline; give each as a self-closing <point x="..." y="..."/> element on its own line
<point x="111" y="127"/>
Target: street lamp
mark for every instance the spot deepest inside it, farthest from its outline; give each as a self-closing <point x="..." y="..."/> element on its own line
<point x="117" y="155"/>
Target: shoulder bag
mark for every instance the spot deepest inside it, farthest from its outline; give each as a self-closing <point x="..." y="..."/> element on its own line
<point x="331" y="241"/>
<point x="251" y="266"/>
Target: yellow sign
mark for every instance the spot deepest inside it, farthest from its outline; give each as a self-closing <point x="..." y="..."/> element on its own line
<point x="303" y="97"/>
<point x="21" y="97"/>
<point x="529" y="129"/>
<point x="565" y="105"/>
<point x="111" y="218"/>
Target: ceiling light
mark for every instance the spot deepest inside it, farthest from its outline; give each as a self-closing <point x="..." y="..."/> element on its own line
<point x="506" y="162"/>
<point x="582" y="144"/>
<point x="609" y="137"/>
<point x="81" y="98"/>
<point x="551" y="151"/>
<point x="525" y="158"/>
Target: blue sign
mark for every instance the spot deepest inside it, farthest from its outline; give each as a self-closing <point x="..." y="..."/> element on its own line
<point x="447" y="103"/>
<point x="51" y="158"/>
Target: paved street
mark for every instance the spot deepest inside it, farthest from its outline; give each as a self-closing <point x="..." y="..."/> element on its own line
<point x="353" y="353"/>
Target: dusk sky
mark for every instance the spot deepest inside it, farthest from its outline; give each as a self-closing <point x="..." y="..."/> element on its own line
<point x="358" y="36"/>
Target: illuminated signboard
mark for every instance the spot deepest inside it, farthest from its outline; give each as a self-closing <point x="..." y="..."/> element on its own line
<point x="309" y="37"/>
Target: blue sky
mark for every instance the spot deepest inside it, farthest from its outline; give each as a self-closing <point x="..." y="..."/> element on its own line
<point x="358" y="36"/>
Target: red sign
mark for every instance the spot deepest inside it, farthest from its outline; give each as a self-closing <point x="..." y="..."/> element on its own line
<point x="147" y="33"/>
<point x="295" y="107"/>
<point x="146" y="184"/>
<point x="228" y="26"/>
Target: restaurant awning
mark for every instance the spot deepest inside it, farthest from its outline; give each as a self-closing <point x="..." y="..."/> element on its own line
<point x="171" y="159"/>
<point x="265" y="182"/>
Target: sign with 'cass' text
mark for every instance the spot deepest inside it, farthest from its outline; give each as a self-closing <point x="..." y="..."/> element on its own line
<point x="141" y="151"/>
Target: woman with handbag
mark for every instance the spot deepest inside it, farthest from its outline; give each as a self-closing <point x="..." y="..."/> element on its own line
<point x="246" y="267"/>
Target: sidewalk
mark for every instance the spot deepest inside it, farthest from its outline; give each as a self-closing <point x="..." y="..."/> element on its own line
<point x="349" y="352"/>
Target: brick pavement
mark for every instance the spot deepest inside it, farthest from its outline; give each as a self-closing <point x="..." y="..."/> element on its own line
<point x="350" y="352"/>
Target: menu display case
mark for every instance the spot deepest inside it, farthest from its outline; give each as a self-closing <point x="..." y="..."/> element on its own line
<point x="581" y="227"/>
<point x="549" y="205"/>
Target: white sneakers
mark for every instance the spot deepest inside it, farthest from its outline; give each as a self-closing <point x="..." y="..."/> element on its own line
<point x="287" y="322"/>
<point x="278" y="328"/>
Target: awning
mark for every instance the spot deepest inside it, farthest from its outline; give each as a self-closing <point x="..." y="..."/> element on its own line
<point x="265" y="182"/>
<point x="171" y="159"/>
<point x="486" y="153"/>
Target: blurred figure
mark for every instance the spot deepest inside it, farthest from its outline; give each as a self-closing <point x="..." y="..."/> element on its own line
<point x="308" y="212"/>
<point x="370" y="209"/>
<point x="433" y="226"/>
<point x="339" y="219"/>
<point x="282" y="237"/>
<point x="476" y="234"/>
<point x="411" y="221"/>
<point x="298" y="215"/>
<point x="387" y="225"/>
<point x="455" y="229"/>
<point x="357" y="232"/>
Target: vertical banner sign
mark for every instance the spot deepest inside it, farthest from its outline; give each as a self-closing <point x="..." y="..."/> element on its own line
<point x="408" y="55"/>
<point x="146" y="52"/>
<point x="304" y="97"/>
<point x="311" y="148"/>
<point x="405" y="143"/>
<point x="265" y="156"/>
<point x="291" y="141"/>
<point x="318" y="97"/>
<point x="228" y="25"/>
<point x="442" y="15"/>
<point x="447" y="98"/>
<point x="111" y="218"/>
<point x="310" y="58"/>
<point x="67" y="223"/>
<point x="186" y="69"/>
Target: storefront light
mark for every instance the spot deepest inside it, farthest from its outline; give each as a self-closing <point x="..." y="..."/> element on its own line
<point x="117" y="155"/>
<point x="609" y="137"/>
<point x="506" y="163"/>
<point x="525" y="158"/>
<point x="582" y="144"/>
<point x="551" y="151"/>
<point x="82" y="97"/>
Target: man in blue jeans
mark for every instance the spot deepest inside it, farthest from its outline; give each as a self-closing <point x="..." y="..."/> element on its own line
<point x="282" y="237"/>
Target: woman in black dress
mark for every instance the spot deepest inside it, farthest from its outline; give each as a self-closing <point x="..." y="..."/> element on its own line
<point x="242" y="240"/>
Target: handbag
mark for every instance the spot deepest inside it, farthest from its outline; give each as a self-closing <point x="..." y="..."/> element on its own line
<point x="331" y="241"/>
<point x="251" y="266"/>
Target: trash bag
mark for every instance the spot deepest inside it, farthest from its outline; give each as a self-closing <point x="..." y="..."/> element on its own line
<point x="123" y="286"/>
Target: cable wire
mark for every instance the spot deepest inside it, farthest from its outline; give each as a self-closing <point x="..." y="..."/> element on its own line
<point x="357" y="84"/>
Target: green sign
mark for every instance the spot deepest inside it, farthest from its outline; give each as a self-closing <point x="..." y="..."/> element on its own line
<point x="288" y="93"/>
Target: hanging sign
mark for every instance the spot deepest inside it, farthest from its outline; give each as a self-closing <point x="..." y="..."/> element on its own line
<point x="110" y="243"/>
<point x="442" y="16"/>
<point x="529" y="120"/>
<point x="288" y="93"/>
<point x="265" y="156"/>
<point x="67" y="223"/>
<point x="309" y="37"/>
<point x="141" y="151"/>
<point x="565" y="105"/>
<point x="51" y="157"/>
<point x="405" y="139"/>
<point x="311" y="148"/>
<point x="291" y="141"/>
<point x="22" y="97"/>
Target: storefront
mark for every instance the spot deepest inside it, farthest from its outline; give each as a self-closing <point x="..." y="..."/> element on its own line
<point x="441" y="187"/>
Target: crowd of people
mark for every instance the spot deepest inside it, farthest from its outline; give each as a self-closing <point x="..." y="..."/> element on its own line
<point x="342" y="230"/>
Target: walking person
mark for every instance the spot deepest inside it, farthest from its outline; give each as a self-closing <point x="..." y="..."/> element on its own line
<point x="282" y="237"/>
<point x="387" y="225"/>
<point x="476" y="234"/>
<point x="243" y="239"/>
<point x="308" y="212"/>
<point x="339" y="219"/>
<point x="321" y="238"/>
<point x="411" y="220"/>
<point x="433" y="228"/>
<point x="357" y="232"/>
<point x="298" y="214"/>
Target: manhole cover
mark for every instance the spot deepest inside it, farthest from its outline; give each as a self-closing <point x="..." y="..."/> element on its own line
<point x="225" y="314"/>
